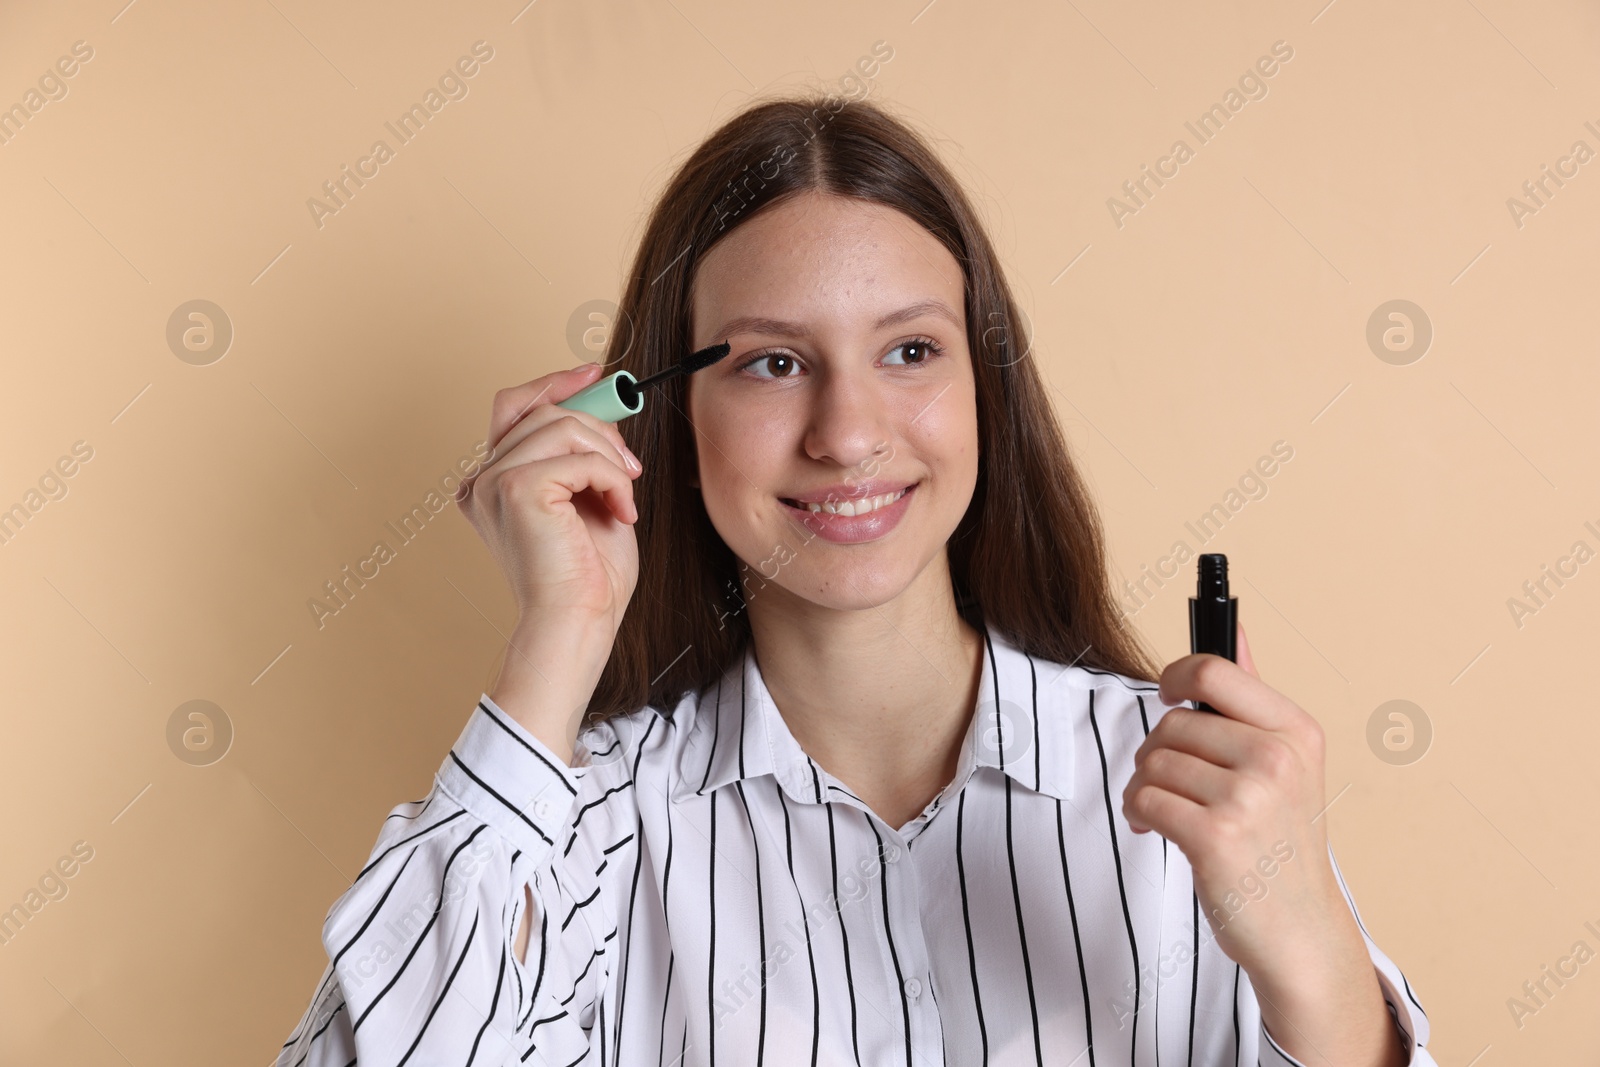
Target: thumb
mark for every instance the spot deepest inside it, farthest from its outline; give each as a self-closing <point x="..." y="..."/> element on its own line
<point x="1246" y="660"/>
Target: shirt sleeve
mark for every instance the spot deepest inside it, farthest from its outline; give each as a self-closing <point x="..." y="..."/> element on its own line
<point x="422" y="966"/>
<point x="1405" y="1012"/>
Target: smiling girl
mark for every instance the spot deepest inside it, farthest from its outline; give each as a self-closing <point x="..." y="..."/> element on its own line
<point x="819" y="739"/>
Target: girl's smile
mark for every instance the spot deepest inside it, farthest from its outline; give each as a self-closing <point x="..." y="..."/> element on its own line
<point x="846" y="517"/>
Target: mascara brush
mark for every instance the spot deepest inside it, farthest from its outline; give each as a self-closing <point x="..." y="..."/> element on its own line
<point x="614" y="398"/>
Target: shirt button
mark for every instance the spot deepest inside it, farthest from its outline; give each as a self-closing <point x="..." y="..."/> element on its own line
<point x="891" y="853"/>
<point x="913" y="988"/>
<point x="541" y="808"/>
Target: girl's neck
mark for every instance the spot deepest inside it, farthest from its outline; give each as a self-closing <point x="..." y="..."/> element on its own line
<point x="880" y="697"/>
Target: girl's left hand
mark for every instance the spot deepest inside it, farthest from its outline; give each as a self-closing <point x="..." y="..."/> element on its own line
<point x="1238" y="792"/>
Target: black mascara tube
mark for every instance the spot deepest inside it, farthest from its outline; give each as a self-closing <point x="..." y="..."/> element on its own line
<point x="1213" y="614"/>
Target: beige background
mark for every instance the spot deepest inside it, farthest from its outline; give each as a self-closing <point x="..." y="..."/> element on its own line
<point x="1228" y="313"/>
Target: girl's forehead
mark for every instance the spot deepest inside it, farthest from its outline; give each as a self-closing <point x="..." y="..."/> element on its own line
<point x="865" y="264"/>
<point x="825" y="225"/>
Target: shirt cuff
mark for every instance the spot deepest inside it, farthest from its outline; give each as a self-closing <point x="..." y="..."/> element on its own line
<point x="1405" y="1018"/>
<point x="509" y="779"/>
<point x="1273" y="1055"/>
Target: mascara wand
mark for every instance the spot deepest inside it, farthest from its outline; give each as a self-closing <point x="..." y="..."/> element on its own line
<point x="614" y="398"/>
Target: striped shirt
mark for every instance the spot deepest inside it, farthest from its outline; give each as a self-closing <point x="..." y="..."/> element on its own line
<point x="704" y="892"/>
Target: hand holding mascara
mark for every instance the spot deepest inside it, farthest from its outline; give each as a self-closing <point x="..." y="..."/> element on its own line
<point x="1213" y="614"/>
<point x="1242" y="789"/>
<point x="555" y="505"/>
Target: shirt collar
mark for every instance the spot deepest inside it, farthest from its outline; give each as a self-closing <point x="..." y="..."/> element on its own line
<point x="1022" y="727"/>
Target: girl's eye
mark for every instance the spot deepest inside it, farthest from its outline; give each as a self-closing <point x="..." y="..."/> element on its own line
<point x="918" y="350"/>
<point x="770" y="358"/>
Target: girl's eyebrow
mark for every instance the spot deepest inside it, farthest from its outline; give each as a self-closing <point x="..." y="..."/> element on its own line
<point x="780" y="328"/>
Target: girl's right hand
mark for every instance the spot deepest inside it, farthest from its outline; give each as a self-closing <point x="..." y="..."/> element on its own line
<point x="555" y="506"/>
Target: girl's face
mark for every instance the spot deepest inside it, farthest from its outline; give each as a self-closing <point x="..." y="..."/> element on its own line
<point x="849" y="379"/>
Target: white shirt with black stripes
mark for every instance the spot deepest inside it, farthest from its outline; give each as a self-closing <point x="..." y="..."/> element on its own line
<point x="704" y="892"/>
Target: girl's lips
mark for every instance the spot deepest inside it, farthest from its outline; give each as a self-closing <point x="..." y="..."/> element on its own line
<point x="852" y="529"/>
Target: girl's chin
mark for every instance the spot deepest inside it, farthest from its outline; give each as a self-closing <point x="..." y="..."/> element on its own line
<point x="840" y="587"/>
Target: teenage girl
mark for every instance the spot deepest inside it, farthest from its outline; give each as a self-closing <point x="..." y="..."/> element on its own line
<point x="819" y="738"/>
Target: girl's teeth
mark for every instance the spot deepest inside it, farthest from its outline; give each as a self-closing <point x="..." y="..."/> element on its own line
<point x="857" y="507"/>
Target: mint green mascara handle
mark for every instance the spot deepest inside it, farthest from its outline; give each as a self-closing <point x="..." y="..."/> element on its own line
<point x="603" y="401"/>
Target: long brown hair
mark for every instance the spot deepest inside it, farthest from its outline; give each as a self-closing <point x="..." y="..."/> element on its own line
<point x="1028" y="556"/>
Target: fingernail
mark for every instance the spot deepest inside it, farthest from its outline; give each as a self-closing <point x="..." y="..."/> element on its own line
<point x="630" y="459"/>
